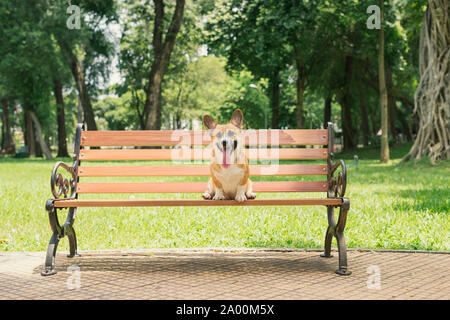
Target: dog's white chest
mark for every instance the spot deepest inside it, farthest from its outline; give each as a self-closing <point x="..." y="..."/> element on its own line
<point x="229" y="178"/>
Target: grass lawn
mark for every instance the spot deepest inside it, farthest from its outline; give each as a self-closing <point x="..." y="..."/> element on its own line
<point x="397" y="206"/>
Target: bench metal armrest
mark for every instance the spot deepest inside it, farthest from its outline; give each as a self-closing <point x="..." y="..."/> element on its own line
<point x="61" y="185"/>
<point x="337" y="180"/>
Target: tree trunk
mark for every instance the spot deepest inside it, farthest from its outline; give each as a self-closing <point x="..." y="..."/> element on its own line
<point x="373" y="121"/>
<point x="162" y="52"/>
<point x="301" y="86"/>
<point x="79" y="111"/>
<point x="327" y="112"/>
<point x="2" y="144"/>
<point x="300" y="92"/>
<point x="62" y="136"/>
<point x="38" y="149"/>
<point x="392" y="108"/>
<point x="432" y="96"/>
<point x="30" y="140"/>
<point x="8" y="144"/>
<point x="275" y="98"/>
<point x="85" y="100"/>
<point x="364" y="115"/>
<point x="364" y="106"/>
<point x="136" y="102"/>
<point x="153" y="103"/>
<point x="346" y="104"/>
<point x="406" y="128"/>
<point x="45" y="149"/>
<point x="384" y="152"/>
<point x="83" y="94"/>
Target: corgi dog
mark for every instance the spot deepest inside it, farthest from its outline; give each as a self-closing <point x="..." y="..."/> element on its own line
<point x="229" y="164"/>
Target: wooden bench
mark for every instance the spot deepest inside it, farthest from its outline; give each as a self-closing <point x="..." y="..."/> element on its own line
<point x="90" y="146"/>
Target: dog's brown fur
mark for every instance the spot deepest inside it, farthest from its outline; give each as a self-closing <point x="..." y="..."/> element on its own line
<point x="228" y="180"/>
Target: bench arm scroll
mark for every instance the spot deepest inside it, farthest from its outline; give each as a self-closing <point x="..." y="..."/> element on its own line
<point x="337" y="179"/>
<point x="61" y="185"/>
<point x="67" y="186"/>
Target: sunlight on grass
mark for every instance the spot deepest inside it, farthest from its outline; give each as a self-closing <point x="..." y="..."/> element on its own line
<point x="398" y="206"/>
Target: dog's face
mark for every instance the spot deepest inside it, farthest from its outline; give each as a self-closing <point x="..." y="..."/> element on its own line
<point x="226" y="138"/>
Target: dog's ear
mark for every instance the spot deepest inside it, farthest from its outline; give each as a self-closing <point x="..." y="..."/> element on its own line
<point x="237" y="118"/>
<point x="209" y="122"/>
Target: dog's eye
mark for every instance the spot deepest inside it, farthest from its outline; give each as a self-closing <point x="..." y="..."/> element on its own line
<point x="219" y="134"/>
<point x="230" y="133"/>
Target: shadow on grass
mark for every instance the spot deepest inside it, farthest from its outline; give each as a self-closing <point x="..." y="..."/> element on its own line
<point x="433" y="200"/>
<point x="373" y="153"/>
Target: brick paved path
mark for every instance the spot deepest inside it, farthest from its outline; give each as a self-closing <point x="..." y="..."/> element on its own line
<point x="225" y="274"/>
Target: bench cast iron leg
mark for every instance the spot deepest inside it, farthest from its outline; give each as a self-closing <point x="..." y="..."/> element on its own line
<point x="58" y="233"/>
<point x="72" y="243"/>
<point x="49" y="268"/>
<point x="329" y="234"/>
<point x="337" y="230"/>
<point x="341" y="239"/>
<point x="70" y="231"/>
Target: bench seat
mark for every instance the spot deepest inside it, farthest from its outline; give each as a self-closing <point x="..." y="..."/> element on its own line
<point x="193" y="203"/>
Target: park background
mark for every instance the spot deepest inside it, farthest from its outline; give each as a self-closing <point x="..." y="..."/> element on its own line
<point x="139" y="65"/>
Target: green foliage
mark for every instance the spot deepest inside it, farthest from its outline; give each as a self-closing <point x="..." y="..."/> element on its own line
<point x="249" y="39"/>
<point x="90" y="43"/>
<point x="33" y="34"/>
<point x="24" y="47"/>
<point x="246" y="33"/>
<point x="200" y="89"/>
<point x="248" y="95"/>
<point x="116" y="113"/>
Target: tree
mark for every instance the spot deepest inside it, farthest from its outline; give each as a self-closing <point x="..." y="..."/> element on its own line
<point x="339" y="49"/>
<point x="162" y="49"/>
<point x="384" y="152"/>
<point x="247" y="34"/>
<point x="198" y="89"/>
<point x="296" y="21"/>
<point x="88" y="43"/>
<point x="7" y="145"/>
<point x="62" y="134"/>
<point x="432" y="96"/>
<point x="136" y="54"/>
<point x="345" y="69"/>
<point x="24" y="76"/>
<point x="248" y="95"/>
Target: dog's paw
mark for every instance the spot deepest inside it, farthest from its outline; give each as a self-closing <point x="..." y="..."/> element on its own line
<point x="250" y="195"/>
<point x="207" y="196"/>
<point x="240" y="198"/>
<point x="219" y="197"/>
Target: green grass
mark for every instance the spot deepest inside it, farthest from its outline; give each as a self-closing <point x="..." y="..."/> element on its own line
<point x="397" y="206"/>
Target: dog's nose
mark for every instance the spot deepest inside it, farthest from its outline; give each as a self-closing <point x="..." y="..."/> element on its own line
<point x="224" y="143"/>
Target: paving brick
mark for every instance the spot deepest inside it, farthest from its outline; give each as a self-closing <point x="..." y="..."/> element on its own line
<point x="225" y="274"/>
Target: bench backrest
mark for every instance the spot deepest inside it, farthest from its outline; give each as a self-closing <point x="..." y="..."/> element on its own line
<point x="191" y="146"/>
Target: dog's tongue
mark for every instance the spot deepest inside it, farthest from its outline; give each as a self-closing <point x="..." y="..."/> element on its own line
<point x="226" y="160"/>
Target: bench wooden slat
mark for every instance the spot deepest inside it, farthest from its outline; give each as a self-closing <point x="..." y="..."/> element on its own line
<point x="255" y="170"/>
<point x="187" y="187"/>
<point x="201" y="137"/>
<point x="199" y="154"/>
<point x="193" y="202"/>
